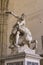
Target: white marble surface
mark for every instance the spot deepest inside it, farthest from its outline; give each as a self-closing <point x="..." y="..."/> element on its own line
<point x="25" y="49"/>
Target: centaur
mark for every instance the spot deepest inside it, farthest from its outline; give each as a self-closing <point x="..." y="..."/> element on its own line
<point x="20" y="34"/>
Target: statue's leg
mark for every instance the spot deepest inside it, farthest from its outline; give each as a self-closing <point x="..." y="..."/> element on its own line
<point x="17" y="38"/>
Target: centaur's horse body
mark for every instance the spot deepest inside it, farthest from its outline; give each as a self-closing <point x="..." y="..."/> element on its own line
<point x="22" y="38"/>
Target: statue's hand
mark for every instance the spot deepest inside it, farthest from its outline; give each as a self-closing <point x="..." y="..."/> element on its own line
<point x="8" y="12"/>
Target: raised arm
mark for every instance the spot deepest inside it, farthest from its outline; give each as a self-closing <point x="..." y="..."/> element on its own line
<point x="12" y="13"/>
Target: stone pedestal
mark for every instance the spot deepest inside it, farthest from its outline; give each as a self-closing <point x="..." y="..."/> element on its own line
<point x="23" y="59"/>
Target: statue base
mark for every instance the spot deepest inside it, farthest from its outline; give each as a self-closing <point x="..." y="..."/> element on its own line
<point x="23" y="59"/>
<point x="20" y="49"/>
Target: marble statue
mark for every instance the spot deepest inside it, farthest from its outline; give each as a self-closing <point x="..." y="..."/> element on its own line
<point x="20" y="34"/>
